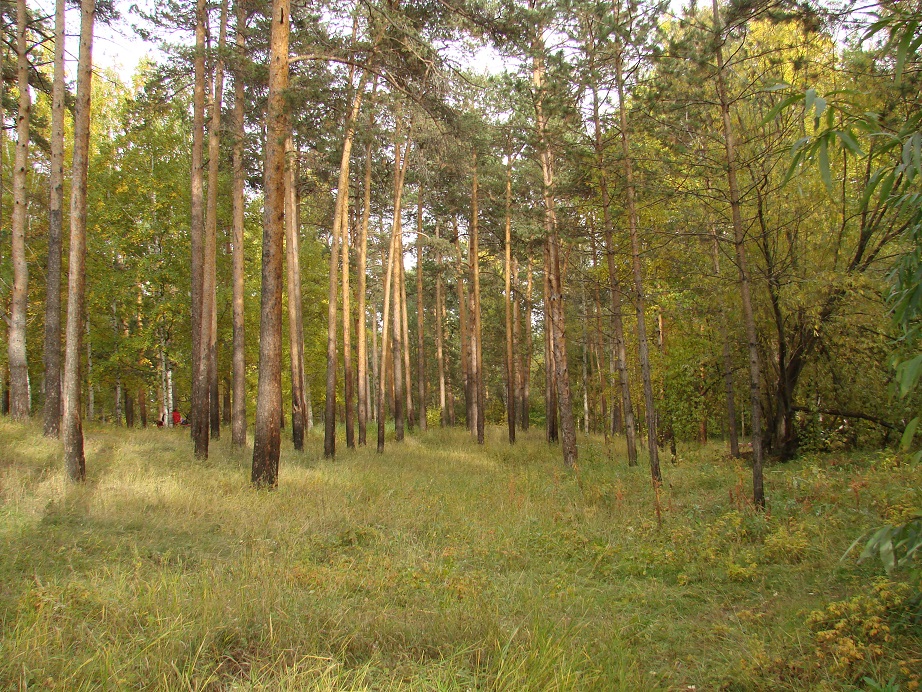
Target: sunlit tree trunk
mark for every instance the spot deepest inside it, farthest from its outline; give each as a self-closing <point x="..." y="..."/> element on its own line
<point x="643" y="348"/>
<point x="398" y="343"/>
<point x="348" y="364"/>
<point x="239" y="417"/>
<point x="363" y="393"/>
<point x="739" y="236"/>
<point x="400" y="163"/>
<point x="510" y="338"/>
<point x="339" y="232"/>
<point x="74" y="460"/>
<point x="198" y="411"/>
<point x="293" y="265"/>
<point x="19" y="295"/>
<point x="267" y="440"/>
<point x="52" y="354"/>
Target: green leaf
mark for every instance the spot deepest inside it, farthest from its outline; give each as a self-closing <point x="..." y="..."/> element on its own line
<point x="909" y="433"/>
<point x="825" y="170"/>
<point x="902" y="50"/>
<point x="780" y="86"/>
<point x="869" y="189"/>
<point x="809" y="98"/>
<point x="819" y="105"/>
<point x="907" y="373"/>
<point x="849" y="142"/>
<point x="778" y="107"/>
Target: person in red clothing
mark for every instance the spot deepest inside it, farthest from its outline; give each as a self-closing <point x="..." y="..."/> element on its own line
<point x="177" y="418"/>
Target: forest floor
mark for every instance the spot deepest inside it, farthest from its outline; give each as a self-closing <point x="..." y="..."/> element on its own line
<point x="443" y="566"/>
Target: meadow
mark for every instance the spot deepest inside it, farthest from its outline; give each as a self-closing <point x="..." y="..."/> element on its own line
<point x="443" y="566"/>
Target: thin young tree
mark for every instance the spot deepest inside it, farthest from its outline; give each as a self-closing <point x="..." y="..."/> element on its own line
<point x="267" y="439"/>
<point x="74" y="459"/>
<point x="439" y="333"/>
<point x="52" y="353"/>
<point x="643" y="349"/>
<point x="19" y="295"/>
<point x="739" y="237"/>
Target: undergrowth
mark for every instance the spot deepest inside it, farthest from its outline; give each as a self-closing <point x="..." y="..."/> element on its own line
<point x="443" y="566"/>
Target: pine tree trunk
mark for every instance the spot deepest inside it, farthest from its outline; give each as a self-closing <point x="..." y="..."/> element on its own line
<point x="477" y="334"/>
<point x="201" y="321"/>
<point x="142" y="405"/>
<point x="550" y="371"/>
<point x="439" y="338"/>
<point x="129" y="410"/>
<point x="340" y="229"/>
<point x="400" y="162"/>
<point x="405" y="342"/>
<point x="239" y="417"/>
<point x="267" y="441"/>
<point x="226" y="406"/>
<point x="643" y="348"/>
<point x="420" y="314"/>
<point x="348" y="365"/>
<point x="293" y="265"/>
<point x="397" y="343"/>
<point x="52" y="353"/>
<point x="74" y="460"/>
<point x="361" y="290"/>
<point x="510" y="338"/>
<point x="19" y="295"/>
<point x="739" y="236"/>
<point x="519" y="379"/>
<point x="464" y="336"/>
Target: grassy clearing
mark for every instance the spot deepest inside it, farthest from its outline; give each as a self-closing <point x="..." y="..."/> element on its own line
<point x="442" y="566"/>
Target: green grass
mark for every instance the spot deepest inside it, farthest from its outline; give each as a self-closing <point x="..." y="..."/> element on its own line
<point x="440" y="566"/>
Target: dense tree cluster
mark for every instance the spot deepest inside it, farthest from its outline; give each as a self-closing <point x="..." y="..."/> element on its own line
<point x="665" y="225"/>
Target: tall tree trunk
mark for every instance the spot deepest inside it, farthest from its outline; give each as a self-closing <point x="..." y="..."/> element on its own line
<point x="90" y="382"/>
<point x="597" y="343"/>
<point x="518" y="380"/>
<point x="361" y="290"/>
<point x="52" y="354"/>
<point x="550" y="371"/>
<point x="439" y="338"/>
<point x="400" y="164"/>
<point x="643" y="348"/>
<point x="398" y="343"/>
<point x="74" y="460"/>
<point x="420" y="313"/>
<point x="477" y="331"/>
<point x="465" y="334"/>
<point x="340" y="229"/>
<point x="555" y="282"/>
<point x="293" y="264"/>
<point x="267" y="440"/>
<point x="239" y="418"/>
<point x="198" y="411"/>
<point x="348" y="365"/>
<point x="739" y="235"/>
<point x="226" y="407"/>
<point x="211" y="228"/>
<point x="510" y="345"/>
<point x="19" y="295"/>
<point x="361" y="336"/>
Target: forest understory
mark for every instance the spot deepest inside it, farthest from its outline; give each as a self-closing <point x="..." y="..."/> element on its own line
<point x="439" y="565"/>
